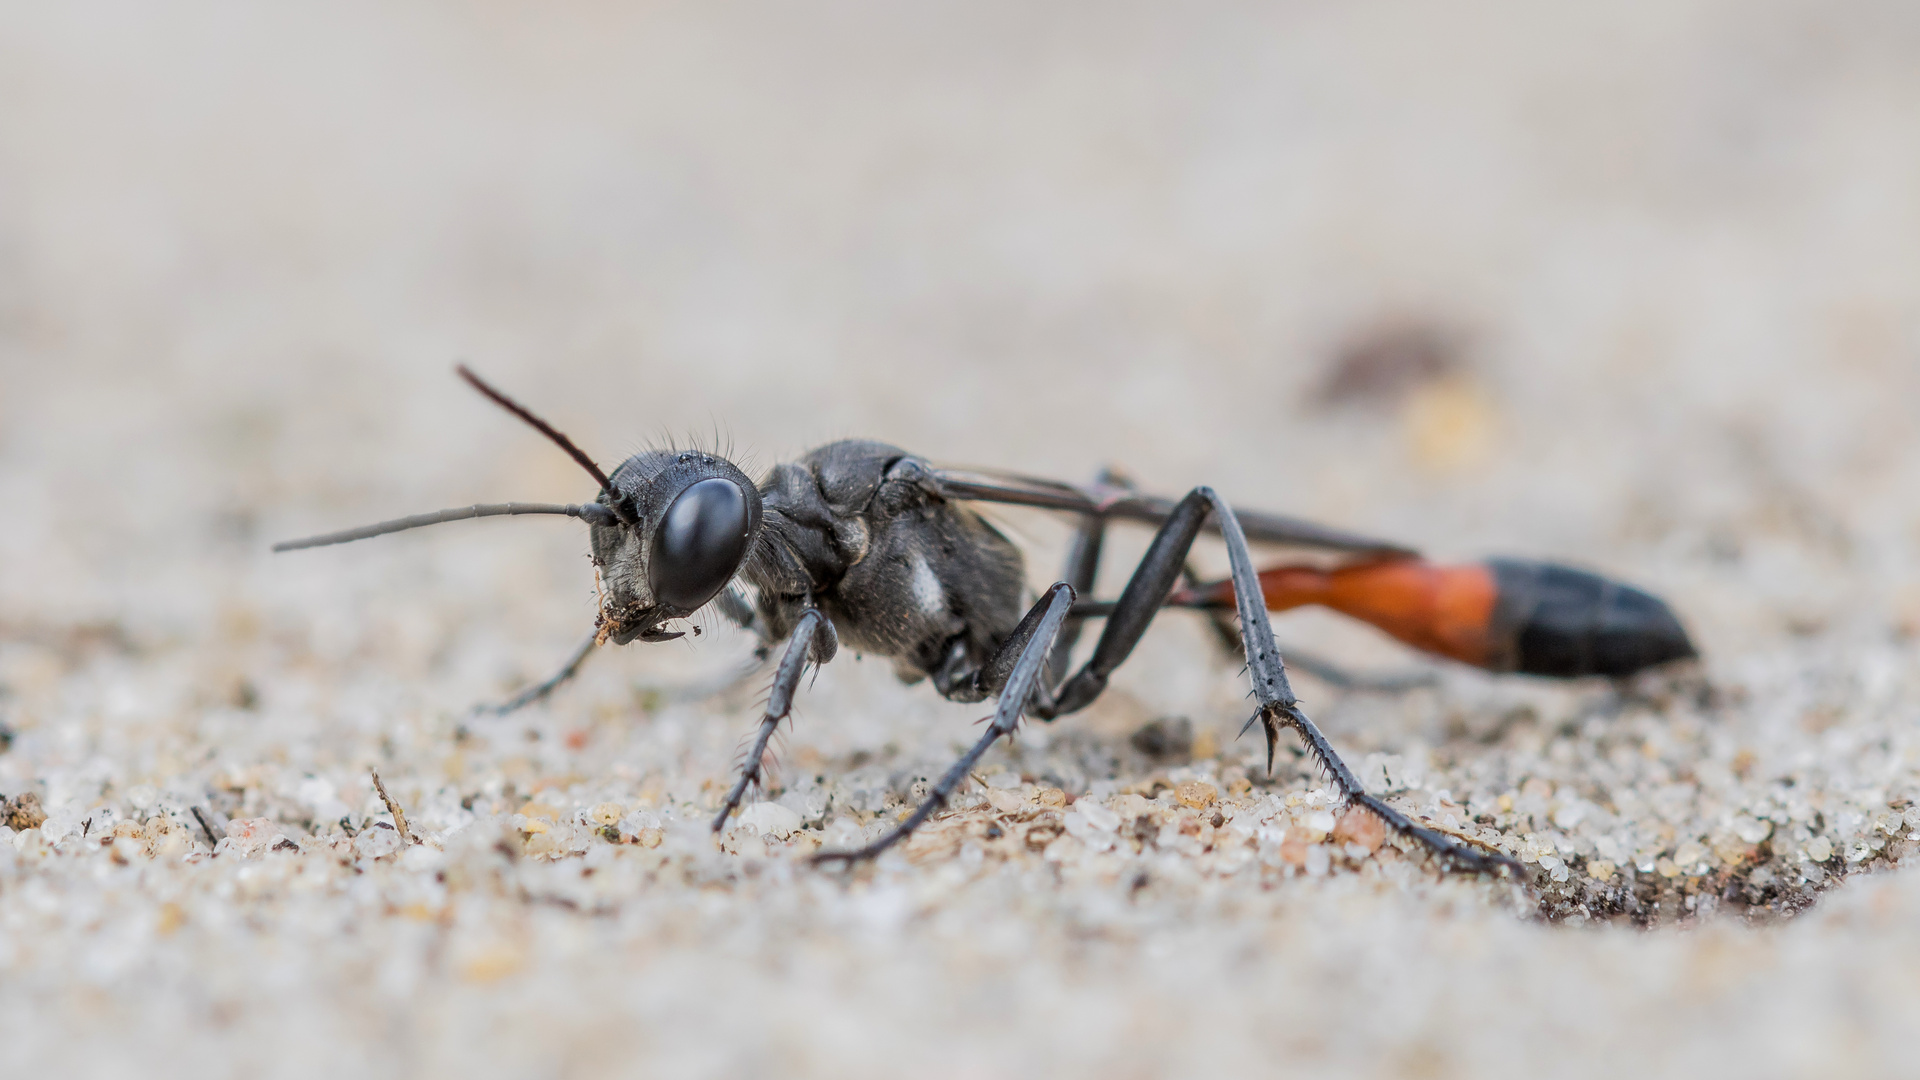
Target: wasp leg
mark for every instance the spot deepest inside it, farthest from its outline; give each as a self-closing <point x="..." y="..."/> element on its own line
<point x="813" y="639"/>
<point x="1031" y="643"/>
<point x="542" y="690"/>
<point x="1154" y="580"/>
<point x="1081" y="571"/>
<point x="1220" y="619"/>
<point x="739" y="611"/>
<point x="1127" y="618"/>
<point x="1083" y="565"/>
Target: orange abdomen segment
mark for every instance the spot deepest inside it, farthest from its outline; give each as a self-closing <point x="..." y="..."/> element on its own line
<point x="1439" y="609"/>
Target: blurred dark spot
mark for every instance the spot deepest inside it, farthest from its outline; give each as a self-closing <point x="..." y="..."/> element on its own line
<point x="236" y="525"/>
<point x="1166" y="739"/>
<point x="1385" y="362"/>
<point x="1805" y="626"/>
<point x="245" y="695"/>
<point x="1821" y="718"/>
<point x="1042" y="833"/>
<point x="75" y="643"/>
<point x="1723" y="546"/>
<point x="1144" y="832"/>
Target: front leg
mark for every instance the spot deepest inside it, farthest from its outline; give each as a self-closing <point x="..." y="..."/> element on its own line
<point x="543" y="690"/>
<point x="813" y="639"/>
<point x="1030" y="645"/>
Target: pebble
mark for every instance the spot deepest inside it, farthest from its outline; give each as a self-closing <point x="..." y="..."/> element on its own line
<point x="379" y="840"/>
<point x="1750" y="829"/>
<point x="1050" y="797"/>
<point x="1005" y="800"/>
<point x="250" y="836"/>
<point x="1357" y="826"/>
<point x="1318" y="860"/>
<point x="1315" y="826"/>
<point x="1197" y="794"/>
<point x="1097" y="816"/>
<point x="770" y="819"/>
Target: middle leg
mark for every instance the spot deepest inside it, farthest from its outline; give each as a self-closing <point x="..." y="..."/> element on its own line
<point x="1031" y="645"/>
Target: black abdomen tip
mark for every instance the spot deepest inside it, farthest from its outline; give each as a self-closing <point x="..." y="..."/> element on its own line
<point x="1555" y="620"/>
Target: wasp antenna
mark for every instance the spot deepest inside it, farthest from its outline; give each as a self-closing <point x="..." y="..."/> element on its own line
<point x="591" y="513"/>
<point x="543" y="428"/>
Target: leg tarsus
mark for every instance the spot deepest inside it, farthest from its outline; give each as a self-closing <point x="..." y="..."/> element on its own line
<point x="1458" y="854"/>
<point x="1270" y="729"/>
<point x="1455" y="853"/>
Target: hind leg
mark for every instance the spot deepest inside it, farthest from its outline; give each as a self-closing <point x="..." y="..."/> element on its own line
<point x="1159" y="571"/>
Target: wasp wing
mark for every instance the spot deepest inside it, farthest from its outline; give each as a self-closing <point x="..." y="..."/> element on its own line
<point x="986" y="485"/>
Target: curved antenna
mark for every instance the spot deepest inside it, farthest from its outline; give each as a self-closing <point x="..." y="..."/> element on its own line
<point x="547" y="429"/>
<point x="591" y="513"/>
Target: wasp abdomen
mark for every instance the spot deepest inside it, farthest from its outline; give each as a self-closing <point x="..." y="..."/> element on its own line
<point x="1444" y="610"/>
<point x="1505" y="615"/>
<point x="1555" y="620"/>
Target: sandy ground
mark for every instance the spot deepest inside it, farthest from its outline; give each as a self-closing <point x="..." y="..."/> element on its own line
<point x="1665" y="260"/>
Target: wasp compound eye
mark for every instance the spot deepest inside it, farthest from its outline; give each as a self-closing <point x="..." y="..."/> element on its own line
<point x="701" y="541"/>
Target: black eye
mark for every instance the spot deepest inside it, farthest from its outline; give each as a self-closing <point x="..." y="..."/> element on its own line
<point x="699" y="544"/>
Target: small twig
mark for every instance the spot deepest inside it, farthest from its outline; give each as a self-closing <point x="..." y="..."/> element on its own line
<point x="399" y="815"/>
<point x="205" y="827"/>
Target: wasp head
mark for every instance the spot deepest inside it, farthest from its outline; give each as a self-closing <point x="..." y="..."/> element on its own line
<point x="688" y="522"/>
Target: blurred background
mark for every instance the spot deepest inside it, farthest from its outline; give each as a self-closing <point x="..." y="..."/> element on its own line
<point x="1635" y="284"/>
